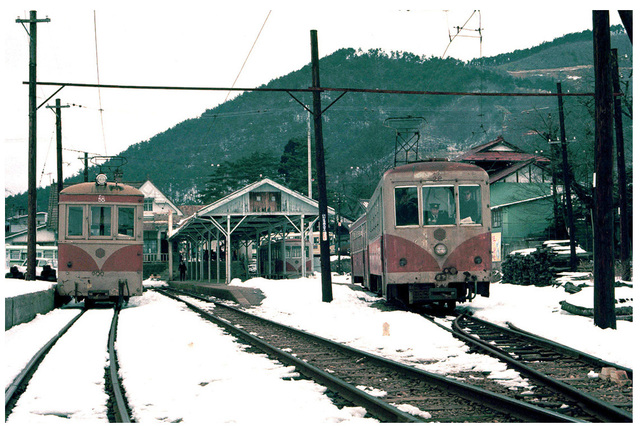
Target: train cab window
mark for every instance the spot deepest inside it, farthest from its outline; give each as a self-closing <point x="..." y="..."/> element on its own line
<point x="100" y="221"/>
<point x="407" y="206"/>
<point x="126" y="221"/>
<point x="75" y="217"/>
<point x="469" y="200"/>
<point x="438" y="205"/>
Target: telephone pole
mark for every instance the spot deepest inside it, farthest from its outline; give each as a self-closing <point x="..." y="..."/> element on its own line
<point x="325" y="267"/>
<point x="604" y="315"/>
<point x="625" y="234"/>
<point x="58" y="113"/>
<point x="32" y="201"/>
<point x="573" y="260"/>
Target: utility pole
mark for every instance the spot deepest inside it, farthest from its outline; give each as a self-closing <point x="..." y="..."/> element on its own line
<point x="86" y="167"/>
<point x="32" y="200"/>
<point x="625" y="235"/>
<point x="567" y="183"/>
<point x="309" y="169"/>
<point x="603" y="272"/>
<point x="325" y="267"/>
<point x="58" y="113"/>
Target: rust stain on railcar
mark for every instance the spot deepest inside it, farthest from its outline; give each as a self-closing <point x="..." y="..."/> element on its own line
<point x="463" y="256"/>
<point x="417" y="258"/>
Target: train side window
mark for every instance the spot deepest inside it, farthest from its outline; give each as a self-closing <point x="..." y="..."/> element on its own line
<point x="407" y="206"/>
<point x="75" y="217"/>
<point x="100" y="221"/>
<point x="126" y="221"/>
<point x="438" y="205"/>
<point x="469" y="197"/>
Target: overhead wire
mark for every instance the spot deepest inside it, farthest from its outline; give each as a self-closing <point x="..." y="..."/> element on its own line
<point x="249" y="54"/>
<point x="238" y="75"/>
<point x="95" y="34"/>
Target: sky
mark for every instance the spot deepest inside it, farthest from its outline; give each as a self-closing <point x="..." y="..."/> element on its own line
<point x="203" y="44"/>
<point x="214" y="369"/>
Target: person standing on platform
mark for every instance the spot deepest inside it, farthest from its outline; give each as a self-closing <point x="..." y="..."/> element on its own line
<point x="183" y="270"/>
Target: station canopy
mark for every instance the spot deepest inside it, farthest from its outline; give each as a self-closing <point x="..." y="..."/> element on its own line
<point x="252" y="214"/>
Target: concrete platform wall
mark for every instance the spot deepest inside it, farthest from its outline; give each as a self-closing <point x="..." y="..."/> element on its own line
<point x="23" y="308"/>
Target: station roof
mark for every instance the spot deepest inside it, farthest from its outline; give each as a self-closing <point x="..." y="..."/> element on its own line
<point x="249" y="212"/>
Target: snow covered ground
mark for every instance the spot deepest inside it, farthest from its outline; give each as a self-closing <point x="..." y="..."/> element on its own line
<point x="178" y="368"/>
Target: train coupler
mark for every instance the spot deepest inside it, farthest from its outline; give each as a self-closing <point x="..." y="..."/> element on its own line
<point x="472" y="289"/>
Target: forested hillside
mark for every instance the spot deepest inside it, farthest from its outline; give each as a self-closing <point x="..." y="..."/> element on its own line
<point x="258" y="125"/>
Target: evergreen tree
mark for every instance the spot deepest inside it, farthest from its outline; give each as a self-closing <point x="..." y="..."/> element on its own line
<point x="229" y="176"/>
<point x="293" y="166"/>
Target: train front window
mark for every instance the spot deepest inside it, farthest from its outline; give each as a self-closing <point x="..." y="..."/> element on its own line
<point x="439" y="206"/>
<point x="407" y="206"/>
<point x="469" y="198"/>
<point x="100" y="221"/>
<point x="126" y="221"/>
<point x="75" y="216"/>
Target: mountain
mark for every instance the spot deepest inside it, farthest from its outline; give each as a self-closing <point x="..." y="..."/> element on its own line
<point x="358" y="145"/>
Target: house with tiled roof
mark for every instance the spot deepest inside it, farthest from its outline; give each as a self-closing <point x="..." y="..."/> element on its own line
<point x="521" y="194"/>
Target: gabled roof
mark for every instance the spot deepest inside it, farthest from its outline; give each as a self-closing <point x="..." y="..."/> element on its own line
<point x="245" y="223"/>
<point x="499" y="150"/>
<point x="150" y="190"/>
<point x="43" y="235"/>
<point x="501" y="174"/>
<point x="219" y="206"/>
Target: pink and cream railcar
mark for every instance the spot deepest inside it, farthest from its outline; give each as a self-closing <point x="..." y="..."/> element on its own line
<point x="426" y="235"/>
<point x="100" y="242"/>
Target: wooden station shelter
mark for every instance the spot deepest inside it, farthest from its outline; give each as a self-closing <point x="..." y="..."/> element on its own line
<point x="258" y="213"/>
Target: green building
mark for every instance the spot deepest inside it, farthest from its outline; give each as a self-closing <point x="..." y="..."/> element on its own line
<point x="521" y="195"/>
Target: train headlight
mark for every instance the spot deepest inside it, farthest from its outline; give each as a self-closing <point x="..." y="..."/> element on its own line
<point x="477" y="260"/>
<point x="402" y="262"/>
<point x="440" y="249"/>
<point x="101" y="179"/>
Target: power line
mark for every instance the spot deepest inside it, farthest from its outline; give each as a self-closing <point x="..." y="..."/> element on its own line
<point x="250" y="50"/>
<point x="238" y="76"/>
<point x="322" y="89"/>
<point x="95" y="34"/>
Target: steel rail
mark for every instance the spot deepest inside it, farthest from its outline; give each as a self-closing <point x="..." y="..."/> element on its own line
<point x="495" y="401"/>
<point x="11" y="392"/>
<point x="375" y="406"/>
<point x="600" y="409"/>
<point x="120" y="405"/>
<point x="593" y="360"/>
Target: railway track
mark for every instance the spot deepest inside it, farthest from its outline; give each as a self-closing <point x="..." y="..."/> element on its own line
<point x="562" y="377"/>
<point x="390" y="391"/>
<point x="117" y="407"/>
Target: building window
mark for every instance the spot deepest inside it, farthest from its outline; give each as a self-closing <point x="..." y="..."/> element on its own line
<point x="496" y="218"/>
<point x="150" y="244"/>
<point x="148" y="204"/>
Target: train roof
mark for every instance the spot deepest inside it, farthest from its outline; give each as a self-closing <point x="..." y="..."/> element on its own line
<point x="436" y="166"/>
<point x="439" y="166"/>
<point x="111" y="188"/>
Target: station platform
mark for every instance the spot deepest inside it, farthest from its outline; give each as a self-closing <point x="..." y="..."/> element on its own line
<point x="247" y="297"/>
